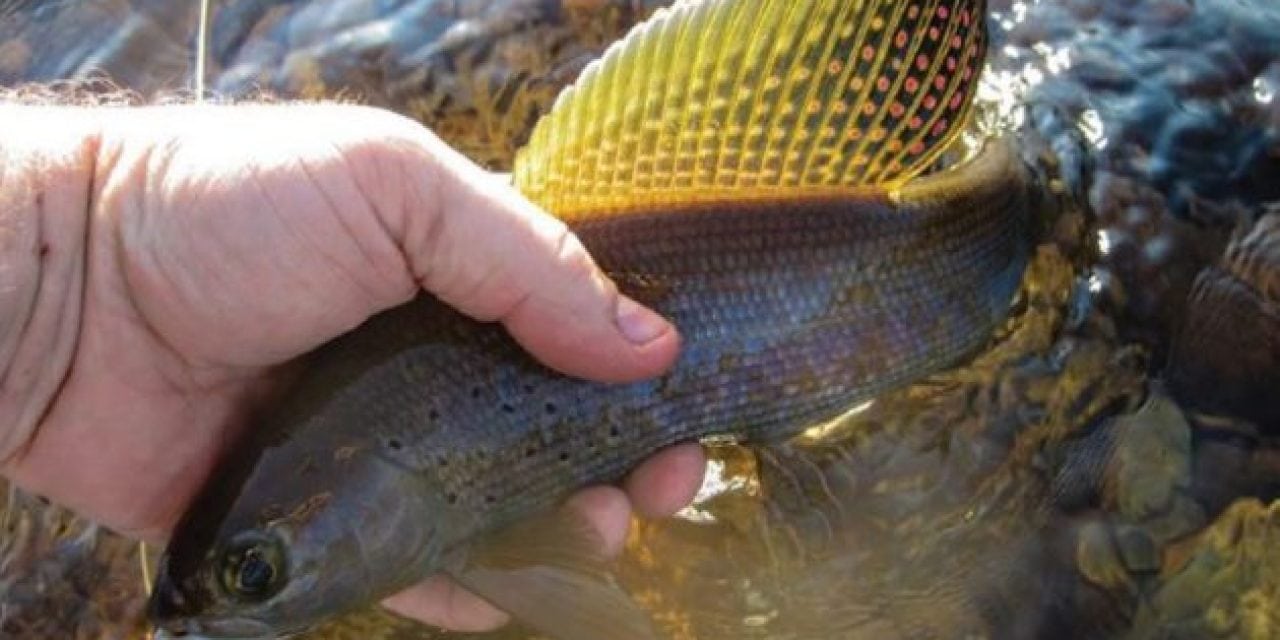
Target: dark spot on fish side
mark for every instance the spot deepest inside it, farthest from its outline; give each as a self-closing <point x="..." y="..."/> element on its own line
<point x="551" y="408"/>
<point x="475" y="393"/>
<point x="613" y="431"/>
<point x="489" y="499"/>
<point x="729" y="362"/>
<point x="507" y="408"/>
<point x="44" y="250"/>
<point x="530" y="452"/>
<point x="394" y="444"/>
<point x="564" y="456"/>
<point x="307" y="466"/>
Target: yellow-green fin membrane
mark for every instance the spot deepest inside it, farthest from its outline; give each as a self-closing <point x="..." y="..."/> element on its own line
<point x="740" y="99"/>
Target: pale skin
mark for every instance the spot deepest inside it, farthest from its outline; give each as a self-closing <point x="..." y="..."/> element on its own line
<point x="158" y="265"/>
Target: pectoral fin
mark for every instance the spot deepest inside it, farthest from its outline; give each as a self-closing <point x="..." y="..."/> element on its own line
<point x="548" y="574"/>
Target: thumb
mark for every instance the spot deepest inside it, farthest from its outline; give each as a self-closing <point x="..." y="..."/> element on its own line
<point x="493" y="255"/>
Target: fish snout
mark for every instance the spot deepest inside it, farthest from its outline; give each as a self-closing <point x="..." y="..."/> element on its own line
<point x="168" y="608"/>
<point x="172" y="612"/>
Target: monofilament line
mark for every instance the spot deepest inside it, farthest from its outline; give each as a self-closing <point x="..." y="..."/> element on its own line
<point x="202" y="50"/>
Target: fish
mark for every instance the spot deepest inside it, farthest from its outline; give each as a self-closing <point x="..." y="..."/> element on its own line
<point x="758" y="172"/>
<point x="1225" y="356"/>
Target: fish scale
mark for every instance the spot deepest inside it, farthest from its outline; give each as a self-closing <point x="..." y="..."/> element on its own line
<point x="798" y="353"/>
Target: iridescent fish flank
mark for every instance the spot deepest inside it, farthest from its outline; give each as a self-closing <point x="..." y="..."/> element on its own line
<point x="750" y="169"/>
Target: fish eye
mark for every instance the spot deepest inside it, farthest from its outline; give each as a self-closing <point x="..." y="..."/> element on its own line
<point x="253" y="567"/>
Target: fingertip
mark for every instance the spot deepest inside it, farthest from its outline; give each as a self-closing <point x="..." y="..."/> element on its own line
<point x="644" y="360"/>
<point x="638" y="324"/>
<point x="609" y="511"/>
<point x="602" y="352"/>
<point x="654" y="342"/>
<point x="668" y="481"/>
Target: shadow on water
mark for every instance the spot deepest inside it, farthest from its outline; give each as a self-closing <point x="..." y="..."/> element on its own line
<point x="1107" y="468"/>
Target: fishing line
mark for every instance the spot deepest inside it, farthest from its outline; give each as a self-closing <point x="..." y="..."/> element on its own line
<point x="147" y="583"/>
<point x="146" y="567"/>
<point x="202" y="49"/>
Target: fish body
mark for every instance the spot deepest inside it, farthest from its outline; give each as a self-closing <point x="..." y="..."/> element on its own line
<point x="802" y="284"/>
<point x="791" y="312"/>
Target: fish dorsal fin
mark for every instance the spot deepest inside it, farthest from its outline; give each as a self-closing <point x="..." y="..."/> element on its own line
<point x="734" y="99"/>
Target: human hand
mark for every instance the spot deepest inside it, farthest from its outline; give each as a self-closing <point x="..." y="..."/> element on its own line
<point x="221" y="242"/>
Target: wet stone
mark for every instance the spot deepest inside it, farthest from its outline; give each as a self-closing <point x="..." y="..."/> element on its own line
<point x="1224" y="584"/>
<point x="1098" y="559"/>
<point x="1183" y="518"/>
<point x="1152" y="459"/>
<point x="1138" y="551"/>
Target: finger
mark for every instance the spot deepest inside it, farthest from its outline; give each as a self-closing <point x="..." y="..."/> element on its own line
<point x="668" y="481"/>
<point x="495" y="256"/>
<point x="609" y="512"/>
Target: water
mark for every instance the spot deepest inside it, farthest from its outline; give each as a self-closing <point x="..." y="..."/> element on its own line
<point x="1085" y="476"/>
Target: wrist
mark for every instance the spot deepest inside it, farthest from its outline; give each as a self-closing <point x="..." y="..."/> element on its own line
<point x="47" y="163"/>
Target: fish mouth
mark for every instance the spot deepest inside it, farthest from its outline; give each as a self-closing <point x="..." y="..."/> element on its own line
<point x="225" y="629"/>
<point x="172" y="614"/>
